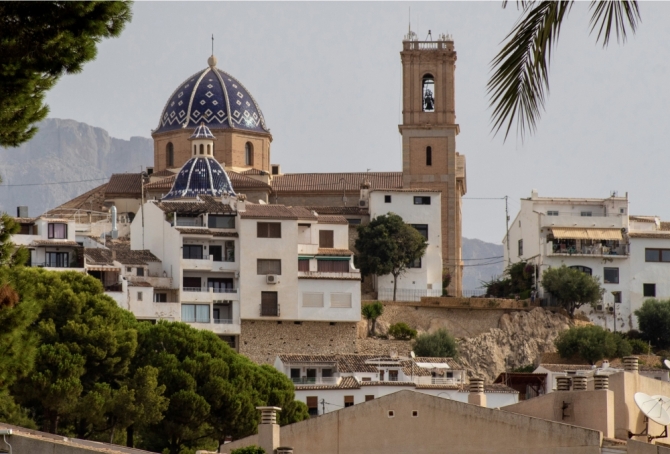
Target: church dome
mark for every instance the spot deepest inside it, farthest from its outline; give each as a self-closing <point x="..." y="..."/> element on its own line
<point x="214" y="97"/>
<point x="200" y="176"/>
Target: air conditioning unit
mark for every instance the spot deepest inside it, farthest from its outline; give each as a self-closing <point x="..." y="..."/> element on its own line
<point x="610" y="309"/>
<point x="363" y="203"/>
<point x="271" y="279"/>
<point x="599" y="307"/>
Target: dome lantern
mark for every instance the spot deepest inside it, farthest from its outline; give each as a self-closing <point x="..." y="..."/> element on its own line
<point x="202" y="141"/>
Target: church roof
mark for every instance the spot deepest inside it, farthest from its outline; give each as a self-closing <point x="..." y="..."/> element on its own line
<point x="202" y="132"/>
<point x="333" y="182"/>
<point x="214" y="97"/>
<point x="200" y="176"/>
<point x="239" y="181"/>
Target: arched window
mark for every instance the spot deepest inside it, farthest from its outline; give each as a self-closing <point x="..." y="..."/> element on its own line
<point x="429" y="156"/>
<point x="428" y="93"/>
<point x="248" y="154"/>
<point x="202" y="149"/>
<point x="169" y="155"/>
<point x="195" y="149"/>
<point x="209" y="149"/>
<point x="583" y="269"/>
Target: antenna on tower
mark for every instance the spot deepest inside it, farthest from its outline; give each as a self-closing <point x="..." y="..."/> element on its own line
<point x="212" y="43"/>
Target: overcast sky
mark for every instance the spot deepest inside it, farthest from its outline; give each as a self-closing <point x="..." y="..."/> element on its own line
<point x="327" y="77"/>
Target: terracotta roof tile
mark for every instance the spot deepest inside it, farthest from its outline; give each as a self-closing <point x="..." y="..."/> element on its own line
<point x="195" y="231"/>
<point x="241" y="182"/>
<point x="163" y="173"/>
<point x="259" y="211"/>
<point x="54" y="243"/>
<point x="331" y="219"/>
<point x="331" y="182"/>
<point x="128" y="184"/>
<point x="207" y="204"/>
<point x="333" y="251"/>
<point x="657" y="234"/>
<point x="388" y="383"/>
<point x="164" y="183"/>
<point x="494" y="388"/>
<point x="406" y="190"/>
<point x="650" y="219"/>
<point x="100" y="256"/>
<point x="565" y="367"/>
<point x="91" y="200"/>
<point x="254" y="172"/>
<point x="139" y="284"/>
<point x="351" y="211"/>
<point x="345" y="383"/>
<point x="24" y="220"/>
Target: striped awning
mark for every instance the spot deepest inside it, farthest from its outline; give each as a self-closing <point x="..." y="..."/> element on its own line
<point x="580" y="233"/>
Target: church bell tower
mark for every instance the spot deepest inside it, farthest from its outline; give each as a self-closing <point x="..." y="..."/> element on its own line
<point x="429" y="130"/>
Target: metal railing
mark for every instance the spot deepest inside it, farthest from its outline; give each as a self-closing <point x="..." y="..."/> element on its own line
<point x="224" y="290"/>
<point x="194" y="289"/>
<point x="189" y="222"/>
<point x="207" y="289"/>
<point x="223" y="321"/>
<point x="270" y="311"/>
<point x="314" y="380"/>
<point x="589" y="250"/>
<point x="195" y="319"/>
<point x="406" y="294"/>
<point x="57" y="265"/>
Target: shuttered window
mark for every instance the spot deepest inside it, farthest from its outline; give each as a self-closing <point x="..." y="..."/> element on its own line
<point x="312" y="299"/>
<point x="340" y="300"/>
<point x="333" y="266"/>
<point x="348" y="401"/>
<point x="326" y="239"/>
<point x="269" y="304"/>
<point x="268" y="230"/>
<point x="313" y="405"/>
<point x="268" y="266"/>
<point x="303" y="265"/>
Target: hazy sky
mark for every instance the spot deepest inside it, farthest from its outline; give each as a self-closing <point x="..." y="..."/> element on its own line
<point x="327" y="77"/>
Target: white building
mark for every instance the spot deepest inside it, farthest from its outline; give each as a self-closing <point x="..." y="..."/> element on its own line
<point x="327" y="383"/>
<point x="598" y="237"/>
<point x="51" y="242"/>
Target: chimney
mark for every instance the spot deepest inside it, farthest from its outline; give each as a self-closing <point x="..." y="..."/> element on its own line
<point x="241" y="203"/>
<point x="631" y="364"/>
<point x="601" y="382"/>
<point x="579" y="383"/>
<point x="477" y="396"/>
<point x="268" y="429"/>
<point x="563" y="383"/>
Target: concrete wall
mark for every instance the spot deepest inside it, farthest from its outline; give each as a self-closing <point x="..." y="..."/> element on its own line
<point x="440" y="425"/>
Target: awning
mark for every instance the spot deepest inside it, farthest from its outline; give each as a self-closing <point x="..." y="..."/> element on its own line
<point x="579" y="233"/>
<point x="433" y="365"/>
<point x="332" y="257"/>
<point x="102" y="268"/>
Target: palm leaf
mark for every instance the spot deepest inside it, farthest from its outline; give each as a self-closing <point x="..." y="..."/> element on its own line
<point x="614" y="15"/>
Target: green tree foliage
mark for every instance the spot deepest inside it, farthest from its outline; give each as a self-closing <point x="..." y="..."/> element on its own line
<point x="213" y="392"/>
<point x="640" y="347"/>
<point x="572" y="288"/>
<point x="654" y="321"/>
<point x="41" y="41"/>
<point x="446" y="280"/>
<point x="591" y="343"/>
<point x="402" y="331"/>
<point x="253" y="449"/>
<point x="10" y="255"/>
<point x="438" y="344"/>
<point x="518" y="279"/>
<point x="371" y="312"/>
<point x="388" y="246"/>
<point x="521" y="69"/>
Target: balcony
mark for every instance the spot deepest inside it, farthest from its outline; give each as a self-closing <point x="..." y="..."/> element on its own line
<point x="596" y="220"/>
<point x="154" y="281"/>
<point x="588" y="250"/>
<point x="315" y="380"/>
<point x="308" y="249"/>
<point x="59" y="267"/>
<point x="208" y="295"/>
<point x="438" y="381"/>
<point x="218" y="326"/>
<point x="270" y="310"/>
<point x="328" y="275"/>
<point x="207" y="264"/>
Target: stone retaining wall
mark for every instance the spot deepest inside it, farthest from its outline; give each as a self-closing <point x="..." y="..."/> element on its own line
<point x="473" y="303"/>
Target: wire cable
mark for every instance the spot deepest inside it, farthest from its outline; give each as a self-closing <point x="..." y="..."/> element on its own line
<point x="52" y="183"/>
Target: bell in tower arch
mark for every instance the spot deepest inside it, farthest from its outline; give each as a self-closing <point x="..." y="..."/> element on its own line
<point x="428" y="88"/>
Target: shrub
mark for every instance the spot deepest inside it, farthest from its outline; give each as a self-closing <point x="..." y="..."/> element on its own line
<point x="402" y="331"/>
<point x="654" y="320"/>
<point x="253" y="449"/>
<point x="437" y="344"/>
<point x="591" y="343"/>
<point x="639" y="347"/>
<point x="526" y="368"/>
<point x="372" y="312"/>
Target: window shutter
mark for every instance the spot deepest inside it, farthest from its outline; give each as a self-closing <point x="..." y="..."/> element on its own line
<point x="326" y="239"/>
<point x="312" y="401"/>
<point x="342" y="300"/>
<point x="261" y="229"/>
<point x="312" y="299"/>
<point x="275" y="230"/>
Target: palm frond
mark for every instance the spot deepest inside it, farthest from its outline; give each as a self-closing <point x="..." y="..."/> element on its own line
<point x="521" y="69"/>
<point x="614" y="15"/>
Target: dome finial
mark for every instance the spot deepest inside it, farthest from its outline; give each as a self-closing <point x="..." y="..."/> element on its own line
<point x="211" y="61"/>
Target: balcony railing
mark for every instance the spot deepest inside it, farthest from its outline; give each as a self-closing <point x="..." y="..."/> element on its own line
<point x="223" y="321"/>
<point x="407" y="294"/>
<point x="268" y="310"/>
<point x="589" y="250"/>
<point x="437" y="381"/>
<point x="189" y="222"/>
<point x="314" y="380"/>
<point x="207" y="289"/>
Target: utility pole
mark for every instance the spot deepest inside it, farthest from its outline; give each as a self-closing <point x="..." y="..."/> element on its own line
<point x="323" y="406"/>
<point x="509" y="257"/>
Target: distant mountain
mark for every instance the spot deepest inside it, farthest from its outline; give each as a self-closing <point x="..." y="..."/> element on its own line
<point x="483" y="262"/>
<point x="61" y="151"/>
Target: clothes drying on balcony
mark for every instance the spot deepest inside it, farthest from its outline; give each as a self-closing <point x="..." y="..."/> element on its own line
<point x="581" y="233"/>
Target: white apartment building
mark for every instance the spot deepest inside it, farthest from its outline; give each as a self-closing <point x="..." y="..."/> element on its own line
<point x="327" y="383"/>
<point x="420" y="208"/>
<point x="51" y="242"/>
<point x="598" y="237"/>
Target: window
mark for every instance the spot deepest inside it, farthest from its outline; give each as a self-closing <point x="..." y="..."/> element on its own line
<point x="303" y="265"/>
<point x="415" y="413"/>
<point x="429" y="156"/>
<point x="387" y="199"/>
<point x="649" y="290"/>
<point x="57" y="259"/>
<point x="611" y="276"/>
<point x="269" y="304"/>
<point x="195" y="313"/>
<point x="129" y="269"/>
<point x="312" y="299"/>
<point x="420" y="200"/>
<point x="248" y="154"/>
<point x="381" y="375"/>
<point x="520" y="247"/>
<point x="416" y="263"/>
<point x="275" y="170"/>
<point x="622" y="210"/>
<point x="366" y="379"/>
<point x="326" y="238"/>
<point x="268" y="266"/>
<point x="268" y="230"/>
<point x="587" y="213"/>
<point x="215" y="221"/>
<point x="422" y="228"/>
<point x="348" y="401"/>
<point x="428" y="93"/>
<point x="552" y="213"/>
<point x="354" y="221"/>
<point x="209" y="149"/>
<point x="583" y="269"/>
<point x="229" y="251"/>
<point x="313" y="405"/>
<point x="391" y="413"/>
<point x="342" y="300"/>
<point x="393" y="375"/>
<point x="57" y="231"/>
<point x="160" y="298"/>
<point x="333" y="266"/>
<point x="369" y="397"/>
<point x="140" y="271"/>
<point x="216" y="252"/>
<point x="202" y="149"/>
<point x="192" y="251"/>
<point x="191" y="283"/>
<point x="656" y="255"/>
<point x="140" y="296"/>
<point x="169" y="155"/>
<point x="617" y="297"/>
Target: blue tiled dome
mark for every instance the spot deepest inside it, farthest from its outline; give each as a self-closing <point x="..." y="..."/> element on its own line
<point x="214" y="97"/>
<point x="200" y="176"/>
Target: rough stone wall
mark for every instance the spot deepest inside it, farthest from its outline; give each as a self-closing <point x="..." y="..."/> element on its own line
<point x="263" y="340"/>
<point x="317" y="199"/>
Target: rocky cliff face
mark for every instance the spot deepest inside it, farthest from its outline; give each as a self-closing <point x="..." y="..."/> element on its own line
<point x="65" y="151"/>
<point x="519" y="340"/>
<point x="478" y="271"/>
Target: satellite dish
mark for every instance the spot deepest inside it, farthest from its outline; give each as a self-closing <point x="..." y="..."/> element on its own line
<point x="414" y="356"/>
<point x="666" y="363"/>
<point x="652" y="408"/>
<point x="665" y="402"/>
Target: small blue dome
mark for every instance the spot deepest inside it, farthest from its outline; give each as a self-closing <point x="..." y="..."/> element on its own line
<point x="202" y="132"/>
<point x="214" y="97"/>
<point x="200" y="176"/>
